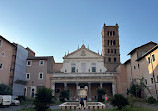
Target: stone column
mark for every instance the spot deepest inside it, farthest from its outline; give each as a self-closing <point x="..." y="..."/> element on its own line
<point x="65" y="86"/>
<point x="89" y="91"/>
<point x="101" y="85"/>
<point x="77" y="91"/>
<point x="113" y="88"/>
<point x="53" y="89"/>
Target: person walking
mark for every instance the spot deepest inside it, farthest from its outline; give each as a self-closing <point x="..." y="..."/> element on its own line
<point x="82" y="103"/>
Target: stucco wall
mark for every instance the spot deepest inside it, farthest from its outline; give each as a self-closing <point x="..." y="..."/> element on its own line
<point x="6" y="60"/>
<point x="121" y="80"/>
<point x="34" y="70"/>
<point x="147" y="71"/>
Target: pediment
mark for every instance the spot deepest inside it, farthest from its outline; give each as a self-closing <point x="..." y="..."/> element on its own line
<point x="83" y="53"/>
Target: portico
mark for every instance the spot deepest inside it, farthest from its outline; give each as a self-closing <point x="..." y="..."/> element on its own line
<point x="69" y="82"/>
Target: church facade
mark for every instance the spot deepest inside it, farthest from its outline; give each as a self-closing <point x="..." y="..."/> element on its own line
<point x="83" y="67"/>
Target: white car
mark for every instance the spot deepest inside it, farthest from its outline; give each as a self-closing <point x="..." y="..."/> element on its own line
<point x="15" y="101"/>
<point x="5" y="100"/>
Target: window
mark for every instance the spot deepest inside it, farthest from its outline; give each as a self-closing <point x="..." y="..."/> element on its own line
<point x="29" y="63"/>
<point x="152" y="80"/>
<point x="111" y="42"/>
<point x="138" y="66"/>
<point x="108" y="33"/>
<point x="93" y="67"/>
<point x="115" y="51"/>
<point x="73" y="67"/>
<point x="108" y="51"/>
<point x="33" y="91"/>
<point x="153" y="57"/>
<point x="114" y="42"/>
<point x="27" y="76"/>
<point x="1" y="65"/>
<point x="111" y="50"/>
<point x="25" y="91"/>
<point x="134" y="67"/>
<point x="108" y="42"/>
<point x="41" y="62"/>
<point x="114" y="59"/>
<point x="0" y="43"/>
<point x="113" y="33"/>
<point x="40" y="76"/>
<point x="149" y="60"/>
<point x="109" y="59"/>
<point x="146" y="82"/>
<point x="3" y="54"/>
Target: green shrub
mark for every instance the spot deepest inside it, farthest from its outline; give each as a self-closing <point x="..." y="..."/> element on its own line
<point x="100" y="93"/>
<point x="64" y="95"/>
<point x="135" y="90"/>
<point x="131" y="100"/>
<point x="43" y="99"/>
<point x="151" y="100"/>
<point x="119" y="100"/>
<point x="5" y="89"/>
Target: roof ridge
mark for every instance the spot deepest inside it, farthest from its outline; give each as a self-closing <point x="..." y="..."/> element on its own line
<point x="140" y="47"/>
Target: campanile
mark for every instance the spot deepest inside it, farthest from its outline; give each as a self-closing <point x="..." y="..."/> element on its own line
<point x="110" y="47"/>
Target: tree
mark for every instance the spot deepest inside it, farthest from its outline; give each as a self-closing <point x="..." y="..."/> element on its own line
<point x="143" y="86"/>
<point x="43" y="99"/>
<point x="100" y="93"/>
<point x="119" y="100"/>
<point x="5" y="89"/>
<point x="137" y="89"/>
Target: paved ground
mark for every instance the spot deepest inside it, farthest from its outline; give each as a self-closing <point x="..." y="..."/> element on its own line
<point x="11" y="108"/>
<point x="14" y="108"/>
<point x="146" y="105"/>
<point x="139" y="104"/>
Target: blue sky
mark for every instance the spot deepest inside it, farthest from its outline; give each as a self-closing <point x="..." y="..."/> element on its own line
<point x="52" y="27"/>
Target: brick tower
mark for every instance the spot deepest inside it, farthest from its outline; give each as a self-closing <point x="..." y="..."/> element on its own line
<point x="110" y="47"/>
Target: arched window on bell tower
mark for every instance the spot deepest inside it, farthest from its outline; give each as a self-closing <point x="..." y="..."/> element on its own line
<point x="114" y="42"/>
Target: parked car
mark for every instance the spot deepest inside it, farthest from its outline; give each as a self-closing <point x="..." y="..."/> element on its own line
<point x="15" y="100"/>
<point x="5" y="100"/>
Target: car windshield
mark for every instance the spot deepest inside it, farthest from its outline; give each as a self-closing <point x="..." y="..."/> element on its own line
<point x="15" y="97"/>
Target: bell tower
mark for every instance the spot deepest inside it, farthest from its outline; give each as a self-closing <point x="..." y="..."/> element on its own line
<point x="110" y="46"/>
